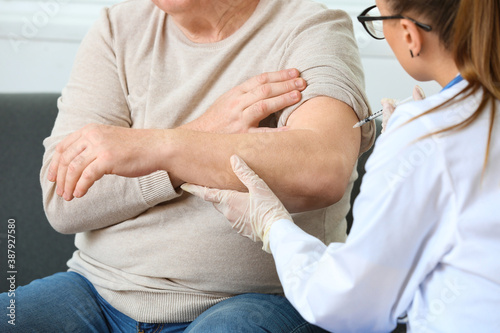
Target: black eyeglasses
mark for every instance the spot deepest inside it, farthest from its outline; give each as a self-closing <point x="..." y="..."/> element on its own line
<point x="372" y="21"/>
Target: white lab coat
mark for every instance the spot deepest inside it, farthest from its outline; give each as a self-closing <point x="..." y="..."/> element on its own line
<point x="425" y="239"/>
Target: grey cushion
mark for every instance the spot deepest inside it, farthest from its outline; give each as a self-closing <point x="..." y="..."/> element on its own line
<point x="26" y="119"/>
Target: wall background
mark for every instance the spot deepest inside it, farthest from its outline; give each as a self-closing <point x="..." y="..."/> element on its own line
<point x="39" y="40"/>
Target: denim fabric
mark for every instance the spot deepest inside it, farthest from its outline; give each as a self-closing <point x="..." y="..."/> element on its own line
<point x="250" y="313"/>
<point x="67" y="302"/>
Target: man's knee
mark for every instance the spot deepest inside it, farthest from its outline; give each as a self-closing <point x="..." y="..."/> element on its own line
<point x="62" y="302"/>
<point x="252" y="313"/>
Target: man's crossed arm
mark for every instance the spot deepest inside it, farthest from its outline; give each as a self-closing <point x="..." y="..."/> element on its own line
<point x="307" y="165"/>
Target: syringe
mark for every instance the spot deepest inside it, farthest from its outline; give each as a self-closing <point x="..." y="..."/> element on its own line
<point x="379" y="113"/>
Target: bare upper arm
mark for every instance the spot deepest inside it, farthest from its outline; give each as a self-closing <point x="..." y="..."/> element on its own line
<point x="332" y="121"/>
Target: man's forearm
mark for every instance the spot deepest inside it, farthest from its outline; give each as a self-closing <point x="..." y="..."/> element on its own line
<point x="308" y="167"/>
<point x="303" y="172"/>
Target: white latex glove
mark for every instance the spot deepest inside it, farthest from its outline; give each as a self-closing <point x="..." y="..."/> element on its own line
<point x="252" y="213"/>
<point x="389" y="105"/>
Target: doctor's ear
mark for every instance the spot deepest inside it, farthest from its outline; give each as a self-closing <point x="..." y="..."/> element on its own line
<point x="412" y="36"/>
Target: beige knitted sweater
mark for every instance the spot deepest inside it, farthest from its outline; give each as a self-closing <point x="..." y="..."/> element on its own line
<point x="154" y="253"/>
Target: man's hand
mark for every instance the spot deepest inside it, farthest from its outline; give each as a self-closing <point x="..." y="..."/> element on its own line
<point x="88" y="154"/>
<point x="242" y="108"/>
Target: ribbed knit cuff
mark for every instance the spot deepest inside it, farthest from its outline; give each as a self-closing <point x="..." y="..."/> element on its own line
<point x="157" y="188"/>
<point x="159" y="307"/>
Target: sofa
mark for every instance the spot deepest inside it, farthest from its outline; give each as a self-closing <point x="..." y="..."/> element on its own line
<point x="26" y="119"/>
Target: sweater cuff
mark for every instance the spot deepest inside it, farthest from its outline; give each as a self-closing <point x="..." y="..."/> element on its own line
<point x="157" y="188"/>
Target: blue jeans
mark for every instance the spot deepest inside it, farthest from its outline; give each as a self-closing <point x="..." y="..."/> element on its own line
<point x="67" y="302"/>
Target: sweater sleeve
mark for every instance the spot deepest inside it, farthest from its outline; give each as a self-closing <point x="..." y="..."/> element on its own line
<point x="324" y="50"/>
<point x="404" y="220"/>
<point x="96" y="93"/>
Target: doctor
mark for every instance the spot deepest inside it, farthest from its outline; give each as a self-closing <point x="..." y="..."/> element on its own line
<point x="426" y="235"/>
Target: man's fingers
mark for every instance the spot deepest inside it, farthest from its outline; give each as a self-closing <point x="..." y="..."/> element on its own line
<point x="275" y="89"/>
<point x="54" y="164"/>
<point x="62" y="168"/>
<point x="90" y="174"/>
<point x="59" y="150"/>
<point x="61" y="178"/>
<point x="71" y="164"/>
<point x="269" y="77"/>
<point x="264" y="108"/>
<point x="73" y="174"/>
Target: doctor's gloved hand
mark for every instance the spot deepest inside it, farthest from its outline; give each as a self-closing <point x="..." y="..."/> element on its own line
<point x="252" y="213"/>
<point x="389" y="105"/>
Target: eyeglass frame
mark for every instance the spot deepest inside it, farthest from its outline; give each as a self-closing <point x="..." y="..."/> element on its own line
<point x="362" y="18"/>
